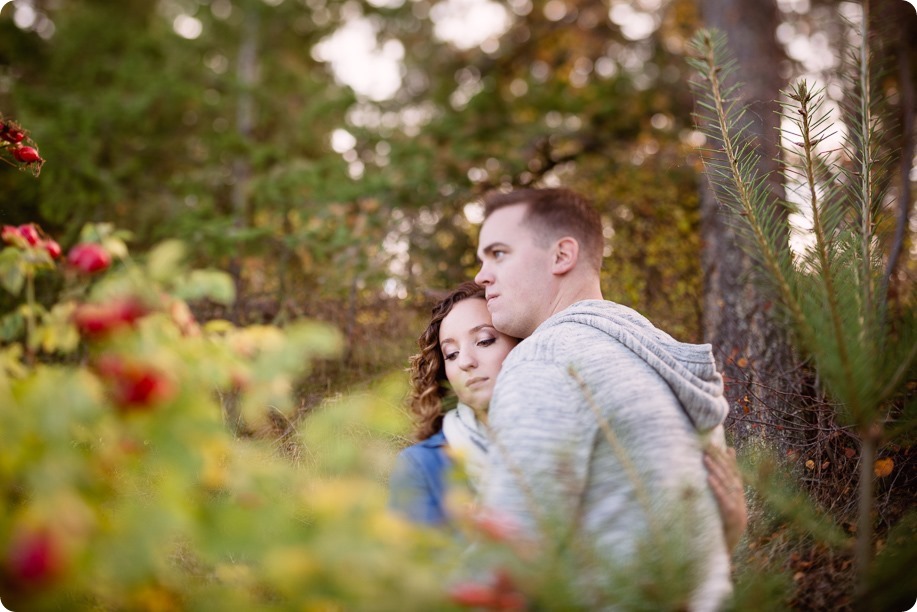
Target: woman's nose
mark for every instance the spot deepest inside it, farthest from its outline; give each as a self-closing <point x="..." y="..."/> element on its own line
<point x="467" y="361"/>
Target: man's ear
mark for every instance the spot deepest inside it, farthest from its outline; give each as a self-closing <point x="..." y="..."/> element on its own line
<point x="566" y="254"/>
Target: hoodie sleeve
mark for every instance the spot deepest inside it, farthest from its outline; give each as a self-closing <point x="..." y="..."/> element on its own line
<point x="539" y="457"/>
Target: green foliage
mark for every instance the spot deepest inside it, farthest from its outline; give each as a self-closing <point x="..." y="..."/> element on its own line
<point x="829" y="291"/>
<point x="784" y="503"/>
<point x="122" y="486"/>
<point x="168" y="157"/>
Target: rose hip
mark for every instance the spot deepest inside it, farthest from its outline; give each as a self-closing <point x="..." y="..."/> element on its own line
<point x="97" y="320"/>
<point x="53" y="249"/>
<point x="10" y="233"/>
<point x="13" y="135"/>
<point x="89" y="258"/>
<point x="30" y="233"/>
<point x="26" y="155"/>
<point x="33" y="557"/>
<point x="134" y="385"/>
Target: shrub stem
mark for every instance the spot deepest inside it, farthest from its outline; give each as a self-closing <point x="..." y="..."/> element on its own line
<point x="863" y="548"/>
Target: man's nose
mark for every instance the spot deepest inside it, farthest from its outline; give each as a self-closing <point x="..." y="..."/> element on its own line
<point x="483" y="277"/>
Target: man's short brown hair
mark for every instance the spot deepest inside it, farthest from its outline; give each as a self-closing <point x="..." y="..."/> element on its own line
<point x="556" y="212"/>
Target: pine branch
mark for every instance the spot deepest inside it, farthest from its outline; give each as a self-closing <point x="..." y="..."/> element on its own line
<point x="737" y="177"/>
<point x="831" y="290"/>
<point x="806" y="119"/>
<point x="865" y="134"/>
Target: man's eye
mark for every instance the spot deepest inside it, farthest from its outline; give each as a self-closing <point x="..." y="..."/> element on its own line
<point x="498" y="254"/>
<point x="487" y="341"/>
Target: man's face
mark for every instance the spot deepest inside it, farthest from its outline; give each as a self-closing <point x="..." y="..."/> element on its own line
<point x="515" y="271"/>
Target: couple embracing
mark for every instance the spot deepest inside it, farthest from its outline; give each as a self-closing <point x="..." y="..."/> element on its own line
<point x="580" y="422"/>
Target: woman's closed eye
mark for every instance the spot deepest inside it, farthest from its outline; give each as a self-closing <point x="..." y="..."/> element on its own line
<point x="450" y="356"/>
<point x="486" y="341"/>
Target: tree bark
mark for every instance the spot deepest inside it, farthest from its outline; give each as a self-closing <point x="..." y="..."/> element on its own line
<point x="247" y="77"/>
<point x="751" y="349"/>
<point x="901" y="23"/>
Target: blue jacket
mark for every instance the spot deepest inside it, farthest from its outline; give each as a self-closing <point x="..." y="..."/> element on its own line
<point x="417" y="488"/>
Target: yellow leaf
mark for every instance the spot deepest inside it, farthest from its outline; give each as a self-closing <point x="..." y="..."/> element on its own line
<point x="883" y="467"/>
<point x="810" y="465"/>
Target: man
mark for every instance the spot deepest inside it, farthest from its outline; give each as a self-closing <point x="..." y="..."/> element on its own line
<point x="598" y="418"/>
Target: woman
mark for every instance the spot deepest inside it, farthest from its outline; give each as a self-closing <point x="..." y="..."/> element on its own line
<point x="460" y="356"/>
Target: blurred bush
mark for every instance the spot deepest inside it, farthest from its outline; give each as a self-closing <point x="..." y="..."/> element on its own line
<point x="124" y="488"/>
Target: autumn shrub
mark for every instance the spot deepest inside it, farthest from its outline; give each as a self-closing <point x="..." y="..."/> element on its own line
<point x="122" y="486"/>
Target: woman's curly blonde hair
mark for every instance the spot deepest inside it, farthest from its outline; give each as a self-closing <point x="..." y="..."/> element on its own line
<point x="429" y="386"/>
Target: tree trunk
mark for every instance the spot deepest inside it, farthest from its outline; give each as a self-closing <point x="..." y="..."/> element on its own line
<point x="900" y="22"/>
<point x="247" y="76"/>
<point x="752" y="351"/>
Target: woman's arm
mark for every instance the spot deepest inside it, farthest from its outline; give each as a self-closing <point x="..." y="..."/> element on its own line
<point x="726" y="483"/>
<point x="416" y="487"/>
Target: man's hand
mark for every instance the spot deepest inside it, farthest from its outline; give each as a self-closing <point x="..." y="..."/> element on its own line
<point x="726" y="483"/>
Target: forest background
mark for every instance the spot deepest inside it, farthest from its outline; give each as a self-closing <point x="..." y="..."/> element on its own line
<point x="330" y="155"/>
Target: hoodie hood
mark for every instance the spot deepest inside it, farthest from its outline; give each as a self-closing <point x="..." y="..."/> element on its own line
<point x="689" y="369"/>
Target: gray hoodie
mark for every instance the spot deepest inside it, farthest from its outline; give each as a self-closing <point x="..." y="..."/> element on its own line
<point x="598" y="423"/>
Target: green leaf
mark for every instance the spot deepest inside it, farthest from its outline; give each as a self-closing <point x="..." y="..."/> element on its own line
<point x="11" y="326"/>
<point x="12" y="270"/>
<point x="164" y="262"/>
<point x="211" y="284"/>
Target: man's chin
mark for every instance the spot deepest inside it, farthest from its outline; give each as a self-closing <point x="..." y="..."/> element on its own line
<point x="502" y="323"/>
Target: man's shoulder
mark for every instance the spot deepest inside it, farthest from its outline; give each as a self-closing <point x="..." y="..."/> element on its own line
<point x="561" y="339"/>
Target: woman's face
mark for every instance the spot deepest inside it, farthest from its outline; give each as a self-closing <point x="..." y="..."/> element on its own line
<point x="473" y="351"/>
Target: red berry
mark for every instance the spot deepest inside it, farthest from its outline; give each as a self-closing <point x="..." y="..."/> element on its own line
<point x="30" y="233"/>
<point x="510" y="602"/>
<point x="33" y="557"/>
<point x="26" y="155"/>
<point x="495" y="526"/>
<point x="473" y="594"/>
<point x="95" y="320"/>
<point x="134" y="385"/>
<point x="12" y="134"/>
<point x="10" y="233"/>
<point x="501" y="594"/>
<point x="89" y="257"/>
<point x="52" y="248"/>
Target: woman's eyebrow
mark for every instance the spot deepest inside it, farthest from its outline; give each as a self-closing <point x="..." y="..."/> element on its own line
<point x="473" y="330"/>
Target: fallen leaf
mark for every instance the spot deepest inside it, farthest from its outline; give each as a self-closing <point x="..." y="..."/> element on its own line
<point x="810" y="465"/>
<point x="883" y="467"/>
<point x="849" y="452"/>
